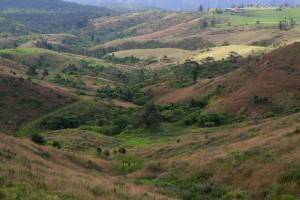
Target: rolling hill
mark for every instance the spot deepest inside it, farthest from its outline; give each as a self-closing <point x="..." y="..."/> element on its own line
<point x="193" y="4"/>
<point x="238" y="88"/>
<point x="50" y="16"/>
<point x="151" y="105"/>
<point x="22" y="99"/>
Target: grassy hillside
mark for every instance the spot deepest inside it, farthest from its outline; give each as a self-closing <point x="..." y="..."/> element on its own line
<point x="33" y="172"/>
<point x="176" y="105"/>
<point x="50" y="16"/>
<point x="225" y="162"/>
<point x="22" y="99"/>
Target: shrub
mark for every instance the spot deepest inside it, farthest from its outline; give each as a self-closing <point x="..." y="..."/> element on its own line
<point x="296" y="131"/>
<point x="269" y="115"/>
<point x="122" y="150"/>
<point x="62" y="122"/>
<point x="36" y="138"/>
<point x="99" y="150"/>
<point x="106" y="152"/>
<point x="239" y="118"/>
<point x="56" y="144"/>
<point x="154" y="167"/>
<point x="2" y="194"/>
<point x="211" y="119"/>
<point x="293" y="176"/>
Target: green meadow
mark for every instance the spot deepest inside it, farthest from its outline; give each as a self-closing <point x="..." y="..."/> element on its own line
<point x="90" y="62"/>
<point x="265" y="16"/>
<point x="22" y="51"/>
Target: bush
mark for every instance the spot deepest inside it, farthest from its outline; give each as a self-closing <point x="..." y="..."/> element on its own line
<point x="293" y="176"/>
<point x="61" y="122"/>
<point x="154" y="167"/>
<point x="56" y="144"/>
<point x="99" y="150"/>
<point x="239" y="118"/>
<point x="106" y="152"/>
<point x="122" y="150"/>
<point x="36" y="138"/>
<point x="269" y="115"/>
<point x="2" y="194"/>
<point x="211" y="119"/>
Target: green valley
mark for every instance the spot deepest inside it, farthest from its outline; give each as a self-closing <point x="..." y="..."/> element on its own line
<point x="99" y="103"/>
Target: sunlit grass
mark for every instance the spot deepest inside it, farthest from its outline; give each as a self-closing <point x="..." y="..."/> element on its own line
<point x="22" y="51"/>
<point x="264" y="15"/>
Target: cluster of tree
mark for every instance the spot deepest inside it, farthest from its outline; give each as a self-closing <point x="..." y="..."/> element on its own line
<point x="71" y="82"/>
<point x="188" y="72"/>
<point x="51" y="15"/>
<point x="32" y="71"/>
<point x="128" y="60"/>
<point x="286" y="24"/>
<point x="11" y="28"/>
<point x="204" y="23"/>
<point x="128" y="7"/>
<point x="61" y="122"/>
<point x="43" y="44"/>
<point x="127" y="94"/>
<point x="114" y="120"/>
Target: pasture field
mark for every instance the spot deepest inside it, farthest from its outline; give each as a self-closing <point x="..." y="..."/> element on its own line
<point x="181" y="55"/>
<point x="264" y="15"/>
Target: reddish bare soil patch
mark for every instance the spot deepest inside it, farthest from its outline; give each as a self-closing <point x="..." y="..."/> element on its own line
<point x="124" y="104"/>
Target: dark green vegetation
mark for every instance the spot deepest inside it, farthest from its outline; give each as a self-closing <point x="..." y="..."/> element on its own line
<point x="50" y="16"/>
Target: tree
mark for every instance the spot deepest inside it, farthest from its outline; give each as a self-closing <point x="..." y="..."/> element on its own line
<point x="256" y="117"/>
<point x="293" y="23"/>
<point x="257" y="22"/>
<point x="147" y="117"/>
<point x="194" y="74"/>
<point x="280" y="25"/>
<point x="233" y="56"/>
<point x="15" y="45"/>
<point x="45" y="72"/>
<point x="204" y="24"/>
<point x="284" y="101"/>
<point x="213" y="22"/>
<point x="200" y="8"/>
<point x="39" y="139"/>
<point x="205" y="61"/>
<point x="31" y="71"/>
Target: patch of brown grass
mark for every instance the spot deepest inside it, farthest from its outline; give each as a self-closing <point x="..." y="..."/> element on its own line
<point x="60" y="173"/>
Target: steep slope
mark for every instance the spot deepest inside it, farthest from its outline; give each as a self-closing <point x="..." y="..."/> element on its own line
<point x="31" y="171"/>
<point x="22" y="100"/>
<point x="265" y="76"/>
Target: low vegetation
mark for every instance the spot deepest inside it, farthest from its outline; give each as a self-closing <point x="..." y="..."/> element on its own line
<point x="211" y="119"/>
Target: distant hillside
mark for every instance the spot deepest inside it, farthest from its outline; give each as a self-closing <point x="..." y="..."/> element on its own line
<point x="11" y="29"/>
<point x="51" y="16"/>
<point x="193" y="4"/>
<point x="122" y="7"/>
<point x="45" y="5"/>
